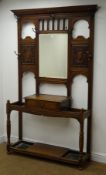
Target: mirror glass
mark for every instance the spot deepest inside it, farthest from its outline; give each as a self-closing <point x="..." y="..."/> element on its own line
<point x="53" y="55"/>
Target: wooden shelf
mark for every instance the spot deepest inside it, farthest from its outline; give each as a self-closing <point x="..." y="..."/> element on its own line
<point x="50" y="152"/>
<point x="71" y="113"/>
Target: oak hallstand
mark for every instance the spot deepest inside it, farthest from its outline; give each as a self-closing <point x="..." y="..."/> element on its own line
<point x="79" y="62"/>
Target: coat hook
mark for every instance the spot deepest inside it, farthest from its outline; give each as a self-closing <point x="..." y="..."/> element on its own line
<point x="33" y="29"/>
<point x="18" y="54"/>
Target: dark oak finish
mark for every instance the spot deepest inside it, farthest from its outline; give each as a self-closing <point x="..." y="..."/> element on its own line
<point x="80" y="62"/>
<point x="64" y="10"/>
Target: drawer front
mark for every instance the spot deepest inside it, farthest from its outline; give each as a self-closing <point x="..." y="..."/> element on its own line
<point x="51" y="105"/>
<point x="42" y="104"/>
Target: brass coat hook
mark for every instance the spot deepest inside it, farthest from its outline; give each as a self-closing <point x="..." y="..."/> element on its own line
<point x="33" y="29"/>
<point x="18" y="54"/>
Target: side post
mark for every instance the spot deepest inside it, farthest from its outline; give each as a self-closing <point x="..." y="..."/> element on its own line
<point x="8" y="110"/>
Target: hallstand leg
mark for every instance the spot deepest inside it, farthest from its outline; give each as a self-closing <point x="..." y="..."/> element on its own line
<point x="20" y="126"/>
<point x="8" y="131"/>
<point x="89" y="126"/>
<point x="81" y="142"/>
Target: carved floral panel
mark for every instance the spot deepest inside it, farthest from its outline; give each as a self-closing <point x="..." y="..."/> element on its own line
<point x="28" y="54"/>
<point x="80" y="55"/>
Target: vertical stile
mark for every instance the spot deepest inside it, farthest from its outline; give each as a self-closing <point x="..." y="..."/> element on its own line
<point x="48" y="24"/>
<point x="42" y="24"/>
<point x="53" y="21"/>
<point x="64" y="20"/>
<point x="58" y="24"/>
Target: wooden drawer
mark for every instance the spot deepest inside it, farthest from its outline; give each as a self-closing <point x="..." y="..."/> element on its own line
<point x="48" y="102"/>
<point x="42" y="104"/>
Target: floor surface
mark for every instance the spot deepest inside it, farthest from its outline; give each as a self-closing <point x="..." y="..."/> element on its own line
<point x="20" y="165"/>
